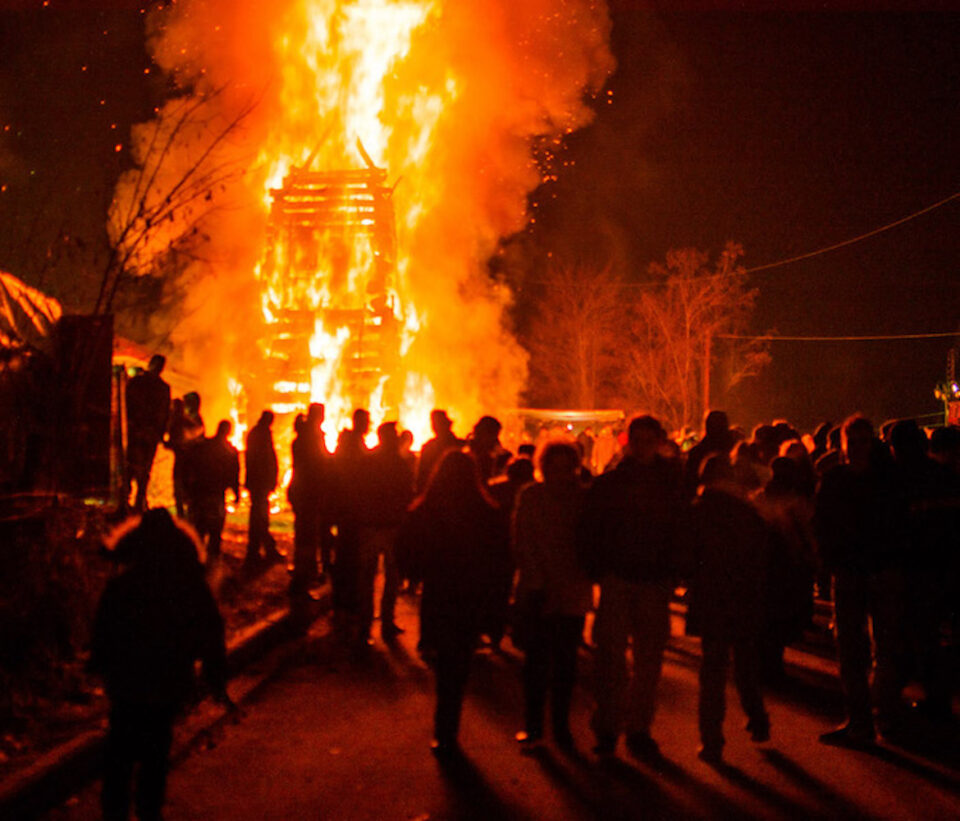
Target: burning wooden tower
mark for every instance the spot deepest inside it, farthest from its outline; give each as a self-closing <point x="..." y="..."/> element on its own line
<point x="329" y="279"/>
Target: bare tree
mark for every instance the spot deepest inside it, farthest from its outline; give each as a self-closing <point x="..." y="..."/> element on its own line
<point x="673" y="323"/>
<point x="576" y="337"/>
<point x="157" y="217"/>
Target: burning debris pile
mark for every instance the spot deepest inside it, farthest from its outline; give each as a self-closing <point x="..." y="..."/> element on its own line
<point x="338" y="287"/>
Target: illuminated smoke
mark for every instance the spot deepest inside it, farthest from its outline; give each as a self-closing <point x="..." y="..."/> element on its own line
<point x="451" y="97"/>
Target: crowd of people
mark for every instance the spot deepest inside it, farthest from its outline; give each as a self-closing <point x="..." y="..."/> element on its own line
<point x="746" y="530"/>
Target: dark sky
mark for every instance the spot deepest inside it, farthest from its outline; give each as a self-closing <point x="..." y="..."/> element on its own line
<point x="785" y="131"/>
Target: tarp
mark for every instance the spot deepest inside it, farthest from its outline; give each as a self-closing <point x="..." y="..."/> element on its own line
<point x="27" y="316"/>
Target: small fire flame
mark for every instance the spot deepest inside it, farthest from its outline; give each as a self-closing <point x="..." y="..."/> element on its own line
<point x="441" y="104"/>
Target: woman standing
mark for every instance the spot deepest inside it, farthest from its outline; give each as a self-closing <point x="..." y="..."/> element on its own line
<point x="451" y="534"/>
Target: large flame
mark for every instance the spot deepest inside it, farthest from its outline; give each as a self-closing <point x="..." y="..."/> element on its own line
<point x="450" y="98"/>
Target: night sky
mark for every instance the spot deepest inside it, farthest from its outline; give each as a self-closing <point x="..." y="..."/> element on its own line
<point x="785" y="131"/>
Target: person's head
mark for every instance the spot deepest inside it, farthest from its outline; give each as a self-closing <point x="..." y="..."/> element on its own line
<point x="299" y="424"/>
<point x="176" y="407"/>
<point x="266" y="419"/>
<point x="527" y="449"/>
<point x="223" y="429"/>
<point x="559" y="462"/>
<point x="857" y="440"/>
<point x="406" y="440"/>
<point x="766" y="443"/>
<point x="716" y="425"/>
<point x="945" y="447"/>
<point x="154" y="542"/>
<point x="786" y="477"/>
<point x="157" y="363"/>
<point x="784" y="431"/>
<point x="520" y="470"/>
<point x="835" y="437"/>
<point x="440" y="423"/>
<point x="645" y="435"/>
<point x="716" y="472"/>
<point x="361" y="421"/>
<point x="821" y="434"/>
<point x="387" y="437"/>
<point x="486" y="433"/>
<point x="455" y="484"/>
<point x="315" y="414"/>
<point x="191" y="402"/>
<point x="908" y="442"/>
<point x="794" y="449"/>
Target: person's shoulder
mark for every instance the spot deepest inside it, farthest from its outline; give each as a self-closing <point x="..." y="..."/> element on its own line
<point x="532" y="492"/>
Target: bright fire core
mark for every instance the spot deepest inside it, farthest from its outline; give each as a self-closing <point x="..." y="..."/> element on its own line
<point x="389" y="146"/>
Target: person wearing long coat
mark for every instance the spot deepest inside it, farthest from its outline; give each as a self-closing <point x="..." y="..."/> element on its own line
<point x="451" y="532"/>
<point x="729" y="542"/>
<point x="553" y="591"/>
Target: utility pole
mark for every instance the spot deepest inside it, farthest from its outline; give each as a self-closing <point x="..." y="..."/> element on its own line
<point x="707" y="339"/>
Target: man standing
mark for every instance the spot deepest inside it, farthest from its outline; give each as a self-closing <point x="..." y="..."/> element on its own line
<point x="262" y="472"/>
<point x="443" y="440"/>
<point x="387" y="490"/>
<point x="726" y="601"/>
<point x="308" y="490"/>
<point x="860" y="522"/>
<point x="484" y="446"/>
<point x="148" y="409"/>
<point x="214" y="467"/>
<point x="627" y="542"/>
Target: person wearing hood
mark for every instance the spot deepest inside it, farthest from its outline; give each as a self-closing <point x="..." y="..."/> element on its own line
<point x="153" y="622"/>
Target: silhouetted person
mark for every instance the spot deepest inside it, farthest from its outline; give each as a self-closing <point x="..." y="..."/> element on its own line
<point x="484" y="446"/>
<point x="933" y="498"/>
<point x="213" y="468"/>
<point x="834" y="454"/>
<point x="387" y="489"/>
<point x="860" y="521"/>
<point x="504" y="490"/>
<point x="406" y="450"/>
<point x="627" y="541"/>
<point x="717" y="438"/>
<point x="586" y="443"/>
<point x="349" y="467"/>
<point x="153" y="622"/>
<point x="726" y="602"/>
<point x="185" y="430"/>
<point x="791" y="563"/>
<point x="148" y="410"/>
<point x="452" y="528"/>
<point x="260" y="479"/>
<point x="309" y="488"/>
<point x="805" y="480"/>
<point x="553" y="591"/>
<point x="442" y="441"/>
<point x="821" y="443"/>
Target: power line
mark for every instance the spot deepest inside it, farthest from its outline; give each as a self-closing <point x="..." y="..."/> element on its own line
<point x="767" y="266"/>
<point x="877" y="338"/>
<point x="852" y="240"/>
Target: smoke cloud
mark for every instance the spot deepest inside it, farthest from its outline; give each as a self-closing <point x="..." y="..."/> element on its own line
<point x="454" y="98"/>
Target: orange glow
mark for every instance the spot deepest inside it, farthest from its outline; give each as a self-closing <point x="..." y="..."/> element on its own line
<point x="432" y="110"/>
